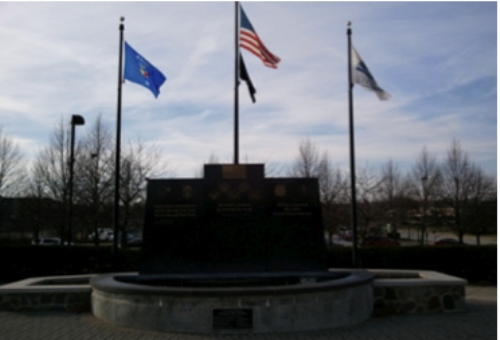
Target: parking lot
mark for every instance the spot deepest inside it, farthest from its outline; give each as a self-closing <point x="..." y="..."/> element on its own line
<point x="410" y="238"/>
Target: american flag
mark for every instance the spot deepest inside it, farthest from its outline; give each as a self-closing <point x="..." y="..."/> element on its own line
<point x="250" y="41"/>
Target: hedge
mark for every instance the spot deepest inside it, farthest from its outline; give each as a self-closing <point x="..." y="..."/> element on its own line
<point x="474" y="263"/>
<point x="22" y="262"/>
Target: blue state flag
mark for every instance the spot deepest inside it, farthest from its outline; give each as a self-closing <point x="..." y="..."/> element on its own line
<point x="140" y="71"/>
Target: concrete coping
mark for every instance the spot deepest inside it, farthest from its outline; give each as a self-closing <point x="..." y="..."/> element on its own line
<point x="408" y="278"/>
<point x="81" y="283"/>
<point x="108" y="283"/>
<point x="50" y="284"/>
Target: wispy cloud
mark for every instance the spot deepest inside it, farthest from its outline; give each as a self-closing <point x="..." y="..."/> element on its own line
<point x="438" y="60"/>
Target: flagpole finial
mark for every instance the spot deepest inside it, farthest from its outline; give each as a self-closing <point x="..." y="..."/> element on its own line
<point x="122" y="26"/>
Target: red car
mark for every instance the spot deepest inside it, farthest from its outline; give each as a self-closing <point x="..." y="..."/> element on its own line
<point x="378" y="241"/>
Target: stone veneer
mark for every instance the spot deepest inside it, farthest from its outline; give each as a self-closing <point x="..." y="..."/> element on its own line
<point x="394" y="292"/>
<point x="416" y="292"/>
<point x="68" y="302"/>
<point x="334" y="303"/>
<point x="69" y="293"/>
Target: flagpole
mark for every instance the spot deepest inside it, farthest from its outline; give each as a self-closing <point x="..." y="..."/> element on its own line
<point x="116" y="211"/>
<point x="351" y="145"/>
<point x="236" y="83"/>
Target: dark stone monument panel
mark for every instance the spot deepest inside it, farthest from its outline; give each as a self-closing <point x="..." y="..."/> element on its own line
<point x="232" y="221"/>
<point x="295" y="225"/>
<point x="235" y="215"/>
<point x="174" y="227"/>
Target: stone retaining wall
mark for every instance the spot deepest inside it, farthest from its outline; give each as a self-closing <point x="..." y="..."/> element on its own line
<point x="394" y="292"/>
<point x="309" y="306"/>
<point x="416" y="292"/>
<point x="68" y="302"/>
<point x="64" y="293"/>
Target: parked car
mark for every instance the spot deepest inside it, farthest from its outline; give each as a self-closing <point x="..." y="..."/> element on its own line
<point x="132" y="240"/>
<point x="447" y="242"/>
<point x="105" y="234"/>
<point x="378" y="241"/>
<point x="346" y="235"/>
<point x="50" y="241"/>
<point x="135" y="242"/>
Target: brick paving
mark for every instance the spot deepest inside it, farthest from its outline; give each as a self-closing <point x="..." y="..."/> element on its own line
<point x="479" y="322"/>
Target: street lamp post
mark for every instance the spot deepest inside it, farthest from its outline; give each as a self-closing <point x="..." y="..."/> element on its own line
<point x="75" y="120"/>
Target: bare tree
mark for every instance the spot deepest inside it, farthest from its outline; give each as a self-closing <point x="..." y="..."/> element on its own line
<point x="307" y="162"/>
<point x="138" y="163"/>
<point x="95" y="177"/>
<point x="333" y="185"/>
<point x="367" y="195"/>
<point x="36" y="206"/>
<point x="273" y="169"/>
<point x="10" y="166"/>
<point x="332" y="182"/>
<point x="425" y="181"/>
<point x="393" y="193"/>
<point x="390" y="186"/>
<point x="480" y="213"/>
<point x="11" y="176"/>
<point x="52" y="166"/>
<point x="456" y="186"/>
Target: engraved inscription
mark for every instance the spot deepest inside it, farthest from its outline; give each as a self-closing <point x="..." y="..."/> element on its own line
<point x="233" y="192"/>
<point x="234" y="209"/>
<point x="164" y="213"/>
<point x="292" y="209"/>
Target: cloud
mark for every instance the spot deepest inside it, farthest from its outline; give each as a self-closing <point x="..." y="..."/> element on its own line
<point x="438" y="60"/>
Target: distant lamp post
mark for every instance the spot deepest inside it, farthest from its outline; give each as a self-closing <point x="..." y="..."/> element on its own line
<point x="75" y="120"/>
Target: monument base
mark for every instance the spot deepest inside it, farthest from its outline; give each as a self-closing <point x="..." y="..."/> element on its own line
<point x="309" y="304"/>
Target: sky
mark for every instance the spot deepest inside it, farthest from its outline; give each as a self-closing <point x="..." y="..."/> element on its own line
<point x="438" y="60"/>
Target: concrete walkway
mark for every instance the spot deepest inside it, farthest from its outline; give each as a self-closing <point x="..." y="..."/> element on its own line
<point x="479" y="322"/>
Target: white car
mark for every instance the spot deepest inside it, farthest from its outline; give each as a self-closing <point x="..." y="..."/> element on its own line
<point x="105" y="234"/>
<point x="50" y="241"/>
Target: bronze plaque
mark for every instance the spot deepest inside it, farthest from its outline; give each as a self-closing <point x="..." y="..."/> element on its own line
<point x="240" y="318"/>
<point x="234" y="171"/>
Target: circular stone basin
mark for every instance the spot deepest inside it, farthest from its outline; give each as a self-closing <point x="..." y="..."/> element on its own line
<point x="236" y="303"/>
<point x="238" y="280"/>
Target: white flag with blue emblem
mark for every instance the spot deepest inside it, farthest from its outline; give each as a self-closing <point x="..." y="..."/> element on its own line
<point x="362" y="76"/>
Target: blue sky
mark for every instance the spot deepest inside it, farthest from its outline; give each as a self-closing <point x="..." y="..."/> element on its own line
<point x="438" y="60"/>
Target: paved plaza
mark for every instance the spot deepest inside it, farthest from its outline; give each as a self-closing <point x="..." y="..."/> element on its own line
<point x="479" y="322"/>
